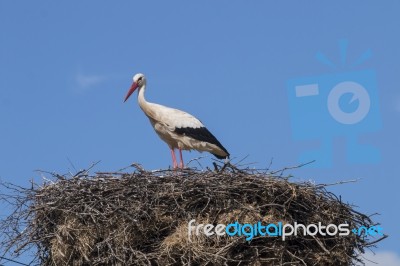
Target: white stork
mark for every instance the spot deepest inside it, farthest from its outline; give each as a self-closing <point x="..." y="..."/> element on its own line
<point x="178" y="129"/>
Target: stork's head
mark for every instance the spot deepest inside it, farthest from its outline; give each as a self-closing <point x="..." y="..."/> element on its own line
<point x="139" y="80"/>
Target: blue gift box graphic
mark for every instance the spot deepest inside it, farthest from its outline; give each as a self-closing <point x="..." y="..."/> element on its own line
<point x="335" y="105"/>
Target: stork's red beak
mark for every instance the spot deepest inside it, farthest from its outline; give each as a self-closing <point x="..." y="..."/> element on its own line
<point x="131" y="90"/>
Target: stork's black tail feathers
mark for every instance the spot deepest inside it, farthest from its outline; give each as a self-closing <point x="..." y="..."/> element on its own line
<point x="221" y="157"/>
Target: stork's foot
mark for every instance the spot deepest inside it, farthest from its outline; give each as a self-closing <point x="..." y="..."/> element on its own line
<point x="179" y="167"/>
<point x="175" y="163"/>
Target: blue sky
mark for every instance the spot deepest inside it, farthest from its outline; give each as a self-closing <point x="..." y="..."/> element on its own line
<point x="65" y="69"/>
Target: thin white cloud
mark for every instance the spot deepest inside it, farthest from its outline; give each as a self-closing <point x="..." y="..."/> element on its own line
<point x="384" y="258"/>
<point x="85" y="82"/>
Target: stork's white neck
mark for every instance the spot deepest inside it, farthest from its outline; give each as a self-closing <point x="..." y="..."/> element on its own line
<point x="142" y="101"/>
<point x="144" y="105"/>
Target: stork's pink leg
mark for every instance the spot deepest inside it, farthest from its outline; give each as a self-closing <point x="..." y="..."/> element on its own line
<point x="181" y="165"/>
<point x="174" y="159"/>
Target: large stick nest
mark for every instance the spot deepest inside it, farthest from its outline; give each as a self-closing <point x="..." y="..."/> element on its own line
<point x="141" y="218"/>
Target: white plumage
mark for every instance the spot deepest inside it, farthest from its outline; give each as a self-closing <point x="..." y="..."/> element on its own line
<point x="178" y="129"/>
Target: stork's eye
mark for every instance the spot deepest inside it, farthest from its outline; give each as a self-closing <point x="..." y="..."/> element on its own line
<point x="140" y="79"/>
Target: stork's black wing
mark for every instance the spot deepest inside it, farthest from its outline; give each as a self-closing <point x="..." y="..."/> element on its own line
<point x="202" y="134"/>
